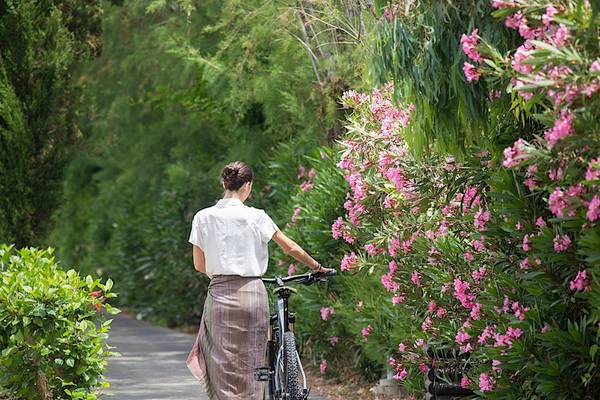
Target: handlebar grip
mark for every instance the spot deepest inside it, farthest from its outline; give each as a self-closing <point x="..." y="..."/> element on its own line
<point x="330" y="273"/>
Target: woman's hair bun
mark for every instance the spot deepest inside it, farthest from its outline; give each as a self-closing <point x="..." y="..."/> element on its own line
<point x="235" y="174"/>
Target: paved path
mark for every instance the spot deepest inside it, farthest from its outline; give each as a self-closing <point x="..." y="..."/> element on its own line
<point x="152" y="363"/>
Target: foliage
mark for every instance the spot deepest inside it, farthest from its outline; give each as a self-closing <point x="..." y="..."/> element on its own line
<point x="39" y="44"/>
<point x="167" y="104"/>
<point x="493" y="252"/>
<point x="52" y="330"/>
<point x="417" y="45"/>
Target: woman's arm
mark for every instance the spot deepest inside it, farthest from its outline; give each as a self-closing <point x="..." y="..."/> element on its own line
<point x="199" y="261"/>
<point x="292" y="248"/>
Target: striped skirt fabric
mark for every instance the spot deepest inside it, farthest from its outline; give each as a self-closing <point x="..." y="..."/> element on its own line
<point x="232" y="338"/>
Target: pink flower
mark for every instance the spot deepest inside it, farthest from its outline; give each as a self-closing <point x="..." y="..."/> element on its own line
<point x="561" y="243"/>
<point x="388" y="283"/>
<point x="515" y="154"/>
<point x="337" y="228"/>
<point x="349" y="262"/>
<point x="352" y="99"/>
<point x="397" y="299"/>
<point x="468" y="256"/>
<point x="479" y="274"/>
<point x="392" y="266"/>
<point x="580" y="283"/>
<point x="526" y="244"/>
<point x="540" y="222"/>
<point x="465" y="382"/>
<point x="334" y="340"/>
<point x="401" y="347"/>
<point x="591" y="174"/>
<point x="471" y="72"/>
<point x="515" y="20"/>
<point x="366" y="331"/>
<point x="558" y="202"/>
<point x="416" y="278"/>
<point x="481" y="218"/>
<point x="560" y="36"/>
<point x="426" y="324"/>
<point x="326" y="311"/>
<point x="556" y="174"/>
<point x="400" y="375"/>
<point x="306" y="185"/>
<point x="593" y="211"/>
<point x="486" y="382"/>
<point x="549" y="15"/>
<point x="468" y="44"/>
<point x="462" y="336"/>
<point x="420" y="343"/>
<point x="519" y="310"/>
<point x="544" y="328"/>
<point x="292" y="269"/>
<point x="323" y="366"/>
<point x="423" y="368"/>
<point x="441" y="311"/>
<point x="561" y="129"/>
<point x="495" y="364"/>
<point x="478" y="244"/>
<point x="372" y="249"/>
<point x="476" y="311"/>
<point x="431" y="306"/>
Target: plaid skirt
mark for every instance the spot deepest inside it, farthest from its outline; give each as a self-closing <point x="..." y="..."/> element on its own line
<point x="232" y="338"/>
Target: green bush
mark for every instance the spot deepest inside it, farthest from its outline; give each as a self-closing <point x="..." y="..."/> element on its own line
<point x="52" y="331"/>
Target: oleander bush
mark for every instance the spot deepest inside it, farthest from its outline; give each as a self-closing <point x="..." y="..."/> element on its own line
<point x="52" y="329"/>
<point x="491" y="248"/>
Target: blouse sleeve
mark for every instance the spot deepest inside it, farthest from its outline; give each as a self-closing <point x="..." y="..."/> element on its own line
<point x="196" y="234"/>
<point x="266" y="226"/>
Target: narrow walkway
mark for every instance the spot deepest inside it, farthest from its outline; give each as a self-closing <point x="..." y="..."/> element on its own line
<point x="152" y="363"/>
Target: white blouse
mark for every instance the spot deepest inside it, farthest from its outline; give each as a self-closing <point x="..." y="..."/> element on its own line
<point x="233" y="238"/>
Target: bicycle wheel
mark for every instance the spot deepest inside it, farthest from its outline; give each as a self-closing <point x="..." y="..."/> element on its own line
<point x="293" y="388"/>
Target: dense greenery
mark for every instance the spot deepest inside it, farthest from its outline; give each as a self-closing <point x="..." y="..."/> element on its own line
<point x="492" y="250"/>
<point x="52" y="330"/>
<point x="455" y="185"/>
<point x="40" y="42"/>
<point x="168" y="103"/>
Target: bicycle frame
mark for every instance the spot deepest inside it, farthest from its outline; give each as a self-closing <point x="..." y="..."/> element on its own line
<point x="279" y="324"/>
<point x="283" y="319"/>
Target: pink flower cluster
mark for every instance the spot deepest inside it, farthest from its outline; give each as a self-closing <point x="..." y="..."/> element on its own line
<point x="349" y="262"/>
<point x="323" y="366"/>
<point x="308" y="184"/>
<point x="580" y="283"/>
<point x="340" y="229"/>
<point x="486" y="382"/>
<point x="366" y="331"/>
<point x="514" y="155"/>
<point x="326" y="312"/>
<point x="561" y="129"/>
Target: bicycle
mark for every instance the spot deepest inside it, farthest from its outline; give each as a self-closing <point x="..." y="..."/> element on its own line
<point x="282" y="354"/>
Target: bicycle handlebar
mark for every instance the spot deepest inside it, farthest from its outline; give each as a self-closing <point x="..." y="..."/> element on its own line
<point x="304" y="278"/>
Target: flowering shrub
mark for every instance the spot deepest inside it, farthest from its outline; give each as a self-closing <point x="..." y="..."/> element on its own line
<point x="52" y="333"/>
<point x="494" y="256"/>
<point x="494" y="250"/>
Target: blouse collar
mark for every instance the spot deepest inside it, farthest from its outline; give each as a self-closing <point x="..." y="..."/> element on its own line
<point x="229" y="201"/>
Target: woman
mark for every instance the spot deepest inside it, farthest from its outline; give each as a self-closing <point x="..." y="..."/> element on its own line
<point x="230" y="246"/>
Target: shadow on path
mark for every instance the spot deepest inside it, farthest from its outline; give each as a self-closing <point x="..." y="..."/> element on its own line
<point x="152" y="363"/>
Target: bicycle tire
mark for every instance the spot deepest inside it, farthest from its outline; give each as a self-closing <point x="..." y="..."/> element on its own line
<point x="294" y="390"/>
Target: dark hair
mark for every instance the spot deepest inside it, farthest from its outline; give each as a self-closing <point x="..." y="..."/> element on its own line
<point x="235" y="174"/>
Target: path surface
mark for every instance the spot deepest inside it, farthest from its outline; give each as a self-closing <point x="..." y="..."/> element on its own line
<point x="152" y="363"/>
